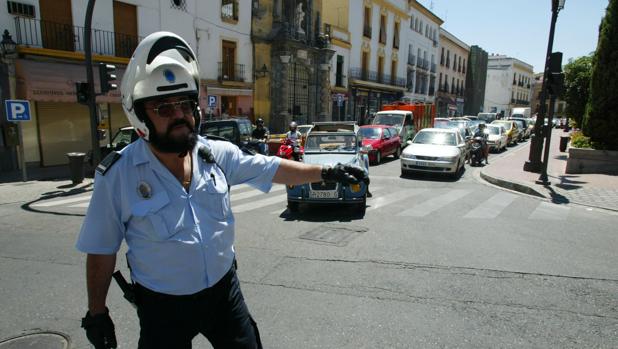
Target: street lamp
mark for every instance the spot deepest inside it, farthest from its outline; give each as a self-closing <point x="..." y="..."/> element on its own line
<point x="260" y="73"/>
<point x="536" y="143"/>
<point x="8" y="45"/>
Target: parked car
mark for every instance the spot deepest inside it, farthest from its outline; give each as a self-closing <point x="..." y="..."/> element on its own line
<point x="236" y="130"/>
<point x="329" y="143"/>
<point x="122" y="138"/>
<point x="380" y="141"/>
<point x="522" y="125"/>
<point x="435" y="150"/>
<point x="512" y="132"/>
<point x="442" y="123"/>
<point x="497" y="139"/>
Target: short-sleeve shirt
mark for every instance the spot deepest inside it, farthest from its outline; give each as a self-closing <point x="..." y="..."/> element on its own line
<point x="178" y="242"/>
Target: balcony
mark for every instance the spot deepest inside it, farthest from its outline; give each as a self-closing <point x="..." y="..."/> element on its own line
<point x="411" y="59"/>
<point x="231" y="72"/>
<point x="367" y="31"/>
<point x="229" y="11"/>
<point x="373" y="76"/>
<point x="58" y="36"/>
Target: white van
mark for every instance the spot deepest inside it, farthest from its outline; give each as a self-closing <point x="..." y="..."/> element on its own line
<point x="521" y="112"/>
<point x="487" y="117"/>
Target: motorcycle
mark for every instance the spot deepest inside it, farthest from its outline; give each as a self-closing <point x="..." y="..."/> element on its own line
<point x="477" y="151"/>
<point x="291" y="150"/>
<point x="258" y="145"/>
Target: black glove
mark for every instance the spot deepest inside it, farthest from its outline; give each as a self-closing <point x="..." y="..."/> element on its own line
<point x="349" y="174"/>
<point x="100" y="330"/>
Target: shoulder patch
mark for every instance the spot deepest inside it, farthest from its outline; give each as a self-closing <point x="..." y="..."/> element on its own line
<point x="217" y="138"/>
<point x="107" y="163"/>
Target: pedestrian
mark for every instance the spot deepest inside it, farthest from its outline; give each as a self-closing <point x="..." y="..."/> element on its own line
<point x="167" y="196"/>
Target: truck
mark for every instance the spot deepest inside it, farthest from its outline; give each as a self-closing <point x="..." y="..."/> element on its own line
<point x="408" y="118"/>
<point x="521" y="112"/>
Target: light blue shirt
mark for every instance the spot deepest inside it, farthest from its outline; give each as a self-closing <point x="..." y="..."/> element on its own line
<point x="179" y="242"/>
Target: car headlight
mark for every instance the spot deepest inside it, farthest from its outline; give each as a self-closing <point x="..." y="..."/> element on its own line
<point x="408" y="156"/>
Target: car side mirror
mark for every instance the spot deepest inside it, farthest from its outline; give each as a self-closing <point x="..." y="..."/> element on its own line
<point x="365" y="149"/>
<point x="409" y="142"/>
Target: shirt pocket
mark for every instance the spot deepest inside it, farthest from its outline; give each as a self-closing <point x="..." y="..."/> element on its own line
<point x="213" y="196"/>
<point x="149" y="218"/>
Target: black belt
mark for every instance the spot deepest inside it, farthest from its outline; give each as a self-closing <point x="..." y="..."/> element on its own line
<point x="225" y="280"/>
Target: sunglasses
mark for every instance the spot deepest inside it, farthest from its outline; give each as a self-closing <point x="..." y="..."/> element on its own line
<point x="168" y="110"/>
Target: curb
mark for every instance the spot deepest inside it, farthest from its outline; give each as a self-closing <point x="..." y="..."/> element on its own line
<point x="519" y="187"/>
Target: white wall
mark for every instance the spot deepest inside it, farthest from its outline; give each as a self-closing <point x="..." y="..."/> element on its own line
<point x="498" y="88"/>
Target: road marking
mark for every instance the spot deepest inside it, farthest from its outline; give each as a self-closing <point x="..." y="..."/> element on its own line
<point x="424" y="208"/>
<point x="381" y="201"/>
<point x="48" y="203"/>
<point x="549" y="211"/>
<point x="260" y="203"/>
<point x="255" y="192"/>
<point x="492" y="207"/>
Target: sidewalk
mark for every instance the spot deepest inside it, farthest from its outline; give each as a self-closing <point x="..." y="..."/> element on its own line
<point x="594" y="190"/>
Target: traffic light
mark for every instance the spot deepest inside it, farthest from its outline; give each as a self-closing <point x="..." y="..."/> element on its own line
<point x="107" y="76"/>
<point x="81" y="90"/>
<point x="555" y="78"/>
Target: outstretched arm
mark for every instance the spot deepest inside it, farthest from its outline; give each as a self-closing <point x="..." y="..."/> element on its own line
<point x="99" y="269"/>
<point x="294" y="173"/>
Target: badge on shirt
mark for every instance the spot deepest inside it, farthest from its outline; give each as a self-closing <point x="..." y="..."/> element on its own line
<point x="144" y="190"/>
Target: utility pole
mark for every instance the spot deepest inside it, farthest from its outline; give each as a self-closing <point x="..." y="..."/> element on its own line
<point x="92" y="106"/>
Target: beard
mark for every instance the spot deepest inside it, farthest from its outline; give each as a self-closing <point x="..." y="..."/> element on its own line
<point x="167" y="143"/>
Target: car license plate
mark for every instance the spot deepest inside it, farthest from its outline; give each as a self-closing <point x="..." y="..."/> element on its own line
<point x="323" y="194"/>
<point x="423" y="163"/>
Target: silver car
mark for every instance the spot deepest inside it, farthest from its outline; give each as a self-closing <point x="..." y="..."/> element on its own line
<point x="435" y="150"/>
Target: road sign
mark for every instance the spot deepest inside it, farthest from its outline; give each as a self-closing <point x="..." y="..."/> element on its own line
<point x="212" y="101"/>
<point x="17" y="110"/>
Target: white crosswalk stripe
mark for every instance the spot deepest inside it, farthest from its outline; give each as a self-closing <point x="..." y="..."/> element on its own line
<point x="51" y="202"/>
<point x="255" y="192"/>
<point x="549" y="211"/>
<point x="381" y="201"/>
<point x="260" y="203"/>
<point x="493" y="206"/>
<point x="431" y="205"/>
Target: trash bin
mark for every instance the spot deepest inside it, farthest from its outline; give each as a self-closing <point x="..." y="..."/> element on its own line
<point x="76" y="166"/>
<point x="564" y="140"/>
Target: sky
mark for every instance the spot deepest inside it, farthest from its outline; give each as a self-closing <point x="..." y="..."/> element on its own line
<point x="520" y="28"/>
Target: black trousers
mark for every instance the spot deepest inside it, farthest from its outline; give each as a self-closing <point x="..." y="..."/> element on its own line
<point x="219" y="313"/>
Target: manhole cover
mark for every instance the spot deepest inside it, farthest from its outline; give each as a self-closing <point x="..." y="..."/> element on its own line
<point x="41" y="340"/>
<point x="333" y="234"/>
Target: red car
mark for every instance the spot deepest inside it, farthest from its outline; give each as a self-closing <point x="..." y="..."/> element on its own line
<point x="380" y="141"/>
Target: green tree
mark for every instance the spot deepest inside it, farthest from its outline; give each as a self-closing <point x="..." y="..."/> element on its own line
<point x="601" y="120"/>
<point x="577" y="87"/>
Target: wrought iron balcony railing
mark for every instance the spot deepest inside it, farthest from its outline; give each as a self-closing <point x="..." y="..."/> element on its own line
<point x="58" y="36"/>
<point x="373" y="76"/>
<point x="231" y="72"/>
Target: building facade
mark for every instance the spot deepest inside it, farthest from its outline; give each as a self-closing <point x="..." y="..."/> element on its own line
<point x="50" y="60"/>
<point x="289" y="36"/>
<point x="376" y="75"/>
<point x="422" y="43"/>
<point x="509" y="84"/>
<point x="451" y="75"/>
<point x="476" y="76"/>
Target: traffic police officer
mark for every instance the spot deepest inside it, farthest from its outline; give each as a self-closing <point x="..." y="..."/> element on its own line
<point x="167" y="195"/>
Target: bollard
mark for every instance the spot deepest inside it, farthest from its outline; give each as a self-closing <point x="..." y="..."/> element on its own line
<point x="76" y="166"/>
<point x="564" y="140"/>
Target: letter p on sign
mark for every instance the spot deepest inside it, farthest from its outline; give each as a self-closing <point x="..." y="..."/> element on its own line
<point x="17" y="110"/>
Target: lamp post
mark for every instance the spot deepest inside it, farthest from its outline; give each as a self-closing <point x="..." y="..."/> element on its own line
<point x="536" y="143"/>
<point x="9" y="54"/>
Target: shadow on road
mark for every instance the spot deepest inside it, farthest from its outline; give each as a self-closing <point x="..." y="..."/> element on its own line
<point x="324" y="213"/>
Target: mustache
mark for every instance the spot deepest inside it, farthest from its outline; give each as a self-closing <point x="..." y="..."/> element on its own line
<point x="177" y="123"/>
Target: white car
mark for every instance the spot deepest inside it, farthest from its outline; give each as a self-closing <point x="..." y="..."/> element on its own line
<point x="436" y="150"/>
<point x="496" y="137"/>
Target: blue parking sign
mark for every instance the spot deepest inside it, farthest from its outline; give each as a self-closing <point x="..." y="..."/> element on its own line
<point x="17" y="110"/>
<point x="212" y="101"/>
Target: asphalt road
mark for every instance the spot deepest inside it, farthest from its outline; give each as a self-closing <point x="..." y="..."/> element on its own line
<point x="434" y="263"/>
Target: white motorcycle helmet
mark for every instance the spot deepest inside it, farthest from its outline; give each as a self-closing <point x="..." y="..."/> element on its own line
<point x="163" y="65"/>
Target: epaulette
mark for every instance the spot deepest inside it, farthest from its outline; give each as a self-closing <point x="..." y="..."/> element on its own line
<point x="217" y="138"/>
<point x="107" y="163"/>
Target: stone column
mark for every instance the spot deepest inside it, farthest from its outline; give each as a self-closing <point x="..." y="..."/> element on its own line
<point x="324" y="92"/>
<point x="283" y="91"/>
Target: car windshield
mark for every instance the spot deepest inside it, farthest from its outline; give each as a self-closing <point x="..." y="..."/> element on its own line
<point x="492" y="130"/>
<point x="337" y="143"/>
<point x="442" y="124"/>
<point x="388" y="119"/>
<point x="458" y="124"/>
<point x="436" y="138"/>
<point x="507" y="125"/>
<point x="304" y="129"/>
<point x="370" y="133"/>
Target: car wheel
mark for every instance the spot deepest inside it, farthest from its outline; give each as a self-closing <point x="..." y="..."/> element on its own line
<point x="397" y="152"/>
<point x="378" y="157"/>
<point x="293" y="206"/>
